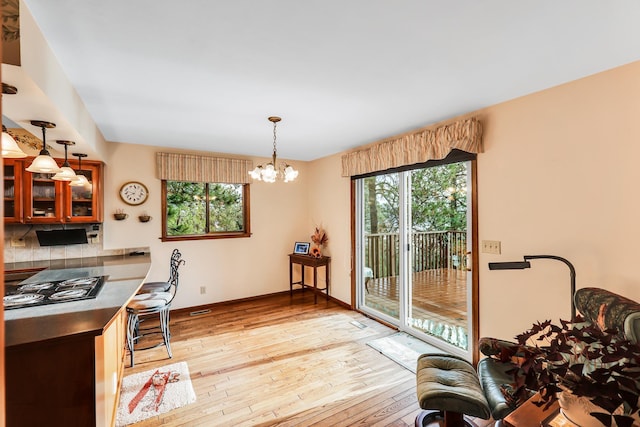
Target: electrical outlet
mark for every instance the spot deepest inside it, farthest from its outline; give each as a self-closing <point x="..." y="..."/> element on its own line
<point x="203" y="290"/>
<point x="95" y="239"/>
<point x="491" y="247"/>
<point x="16" y="242"/>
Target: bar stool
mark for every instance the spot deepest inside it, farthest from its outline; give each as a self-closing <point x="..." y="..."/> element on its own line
<point x="174" y="263"/>
<point x="144" y="305"/>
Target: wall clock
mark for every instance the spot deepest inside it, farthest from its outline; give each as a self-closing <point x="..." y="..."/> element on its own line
<point x="134" y="193"/>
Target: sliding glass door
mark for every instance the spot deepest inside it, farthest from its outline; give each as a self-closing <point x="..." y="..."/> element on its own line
<point x="413" y="242"/>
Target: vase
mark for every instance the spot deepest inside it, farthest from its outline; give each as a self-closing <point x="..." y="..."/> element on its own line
<point x="577" y="409"/>
<point x="316" y="252"/>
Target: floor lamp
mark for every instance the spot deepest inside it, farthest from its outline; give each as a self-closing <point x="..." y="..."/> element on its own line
<point x="521" y="265"/>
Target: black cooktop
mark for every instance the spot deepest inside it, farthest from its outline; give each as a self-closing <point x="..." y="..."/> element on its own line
<point x="54" y="292"/>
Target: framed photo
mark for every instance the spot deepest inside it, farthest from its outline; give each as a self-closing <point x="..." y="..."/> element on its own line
<point x="301" y="248"/>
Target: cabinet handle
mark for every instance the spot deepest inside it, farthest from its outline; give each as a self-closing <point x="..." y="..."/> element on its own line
<point x="68" y="218"/>
<point x="28" y="218"/>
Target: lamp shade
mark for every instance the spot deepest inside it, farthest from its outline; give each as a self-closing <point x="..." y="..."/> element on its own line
<point x="290" y="173"/>
<point x="10" y="149"/>
<point x="79" y="181"/>
<point x="44" y="163"/>
<point x="65" y="174"/>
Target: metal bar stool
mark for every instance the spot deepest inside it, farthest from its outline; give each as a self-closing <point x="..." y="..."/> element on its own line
<point x="174" y="264"/>
<point x="144" y="305"/>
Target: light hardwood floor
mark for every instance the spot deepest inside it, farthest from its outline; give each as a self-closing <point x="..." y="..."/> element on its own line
<point x="287" y="362"/>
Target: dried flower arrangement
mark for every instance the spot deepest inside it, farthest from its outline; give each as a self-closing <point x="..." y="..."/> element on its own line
<point x="319" y="237"/>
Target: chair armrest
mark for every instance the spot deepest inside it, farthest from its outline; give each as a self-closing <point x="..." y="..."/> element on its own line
<point x="503" y="350"/>
<point x="610" y="311"/>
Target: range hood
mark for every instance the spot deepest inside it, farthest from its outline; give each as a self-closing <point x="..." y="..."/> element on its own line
<point x="72" y="236"/>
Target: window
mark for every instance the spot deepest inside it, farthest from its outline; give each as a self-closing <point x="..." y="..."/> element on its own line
<point x="198" y="210"/>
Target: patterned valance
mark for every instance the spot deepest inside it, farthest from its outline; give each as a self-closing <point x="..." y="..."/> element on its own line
<point x="415" y="147"/>
<point x="194" y="168"/>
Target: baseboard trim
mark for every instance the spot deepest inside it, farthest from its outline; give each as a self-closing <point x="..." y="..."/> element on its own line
<point x="208" y="307"/>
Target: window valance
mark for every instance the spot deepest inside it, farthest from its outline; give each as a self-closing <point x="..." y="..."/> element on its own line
<point x="195" y="168"/>
<point x="415" y="147"/>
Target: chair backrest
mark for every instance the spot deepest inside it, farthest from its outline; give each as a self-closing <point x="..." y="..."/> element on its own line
<point x="174" y="264"/>
<point x="609" y="311"/>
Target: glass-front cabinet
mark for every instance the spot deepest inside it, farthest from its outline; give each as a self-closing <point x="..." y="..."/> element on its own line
<point x="35" y="198"/>
<point x="43" y="198"/>
<point x="12" y="190"/>
<point x="82" y="203"/>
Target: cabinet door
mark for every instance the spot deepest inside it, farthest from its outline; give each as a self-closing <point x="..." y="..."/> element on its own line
<point x="42" y="198"/>
<point x="83" y="204"/>
<point x="12" y="190"/>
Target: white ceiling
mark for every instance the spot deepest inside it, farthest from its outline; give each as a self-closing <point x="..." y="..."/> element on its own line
<point x="206" y="74"/>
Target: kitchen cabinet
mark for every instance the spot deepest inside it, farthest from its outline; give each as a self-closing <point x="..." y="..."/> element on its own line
<point x="35" y="198"/>
<point x="84" y="204"/>
<point x="74" y="381"/>
<point x="110" y="353"/>
<point x="13" y="190"/>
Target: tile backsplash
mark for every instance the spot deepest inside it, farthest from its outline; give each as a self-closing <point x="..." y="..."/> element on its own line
<point x="32" y="251"/>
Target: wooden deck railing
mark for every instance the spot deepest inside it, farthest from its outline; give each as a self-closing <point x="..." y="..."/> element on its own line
<point x="431" y="250"/>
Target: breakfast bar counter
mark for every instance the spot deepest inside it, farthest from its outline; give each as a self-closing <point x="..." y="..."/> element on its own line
<point x="64" y="361"/>
<point x="124" y="275"/>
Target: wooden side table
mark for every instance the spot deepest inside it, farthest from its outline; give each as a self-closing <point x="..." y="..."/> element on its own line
<point x="309" y="261"/>
<point x="530" y="415"/>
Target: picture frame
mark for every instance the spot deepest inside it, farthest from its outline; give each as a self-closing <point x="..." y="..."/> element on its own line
<point x="301" y="248"/>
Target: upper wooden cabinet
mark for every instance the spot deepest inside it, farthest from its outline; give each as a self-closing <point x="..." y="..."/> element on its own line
<point x="34" y="198"/>
<point x="13" y="190"/>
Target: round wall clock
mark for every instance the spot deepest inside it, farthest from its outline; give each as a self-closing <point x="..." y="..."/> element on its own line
<point x="134" y="193"/>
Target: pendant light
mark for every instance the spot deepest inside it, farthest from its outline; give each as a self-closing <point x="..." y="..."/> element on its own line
<point x="66" y="173"/>
<point x="80" y="180"/>
<point x="271" y="171"/>
<point x="10" y="148"/>
<point x="44" y="163"/>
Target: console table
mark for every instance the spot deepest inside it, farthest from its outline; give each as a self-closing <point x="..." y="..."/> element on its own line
<point x="309" y="261"/>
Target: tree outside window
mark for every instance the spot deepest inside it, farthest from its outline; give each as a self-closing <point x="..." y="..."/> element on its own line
<point x="197" y="210"/>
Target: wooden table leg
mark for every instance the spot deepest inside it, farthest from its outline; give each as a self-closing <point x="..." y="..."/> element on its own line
<point x="315" y="284"/>
<point x="327" y="278"/>
<point x="290" y="278"/>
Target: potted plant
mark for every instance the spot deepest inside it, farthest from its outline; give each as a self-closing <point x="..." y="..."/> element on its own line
<point x="579" y="360"/>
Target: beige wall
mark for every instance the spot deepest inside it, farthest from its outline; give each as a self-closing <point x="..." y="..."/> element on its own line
<point x="228" y="268"/>
<point x="559" y="176"/>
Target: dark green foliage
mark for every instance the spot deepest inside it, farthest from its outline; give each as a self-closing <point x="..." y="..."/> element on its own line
<point x="438" y="200"/>
<point x="188" y="204"/>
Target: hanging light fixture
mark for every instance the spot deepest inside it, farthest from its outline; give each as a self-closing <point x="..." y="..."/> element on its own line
<point x="271" y="171"/>
<point x="66" y="173"/>
<point x="80" y="180"/>
<point x="10" y="148"/>
<point x="44" y="163"/>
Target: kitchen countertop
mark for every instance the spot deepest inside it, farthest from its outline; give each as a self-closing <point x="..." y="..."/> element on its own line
<point x="125" y="274"/>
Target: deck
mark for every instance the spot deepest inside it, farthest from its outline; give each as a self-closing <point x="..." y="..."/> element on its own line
<point x="439" y="302"/>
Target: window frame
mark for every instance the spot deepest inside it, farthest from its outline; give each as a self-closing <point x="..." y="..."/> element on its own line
<point x="246" y="211"/>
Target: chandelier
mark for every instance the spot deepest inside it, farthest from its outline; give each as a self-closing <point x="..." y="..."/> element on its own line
<point x="271" y="171"/>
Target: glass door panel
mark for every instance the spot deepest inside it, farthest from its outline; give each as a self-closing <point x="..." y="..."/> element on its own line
<point x="43" y="198"/>
<point x="381" y="244"/>
<point x="438" y="301"/>
<point x="82" y="197"/>
<point x="12" y="194"/>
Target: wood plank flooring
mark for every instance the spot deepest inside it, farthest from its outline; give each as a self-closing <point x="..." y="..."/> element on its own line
<point x="281" y="361"/>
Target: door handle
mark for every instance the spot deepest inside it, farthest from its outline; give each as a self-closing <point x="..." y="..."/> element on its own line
<point x="469" y="261"/>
